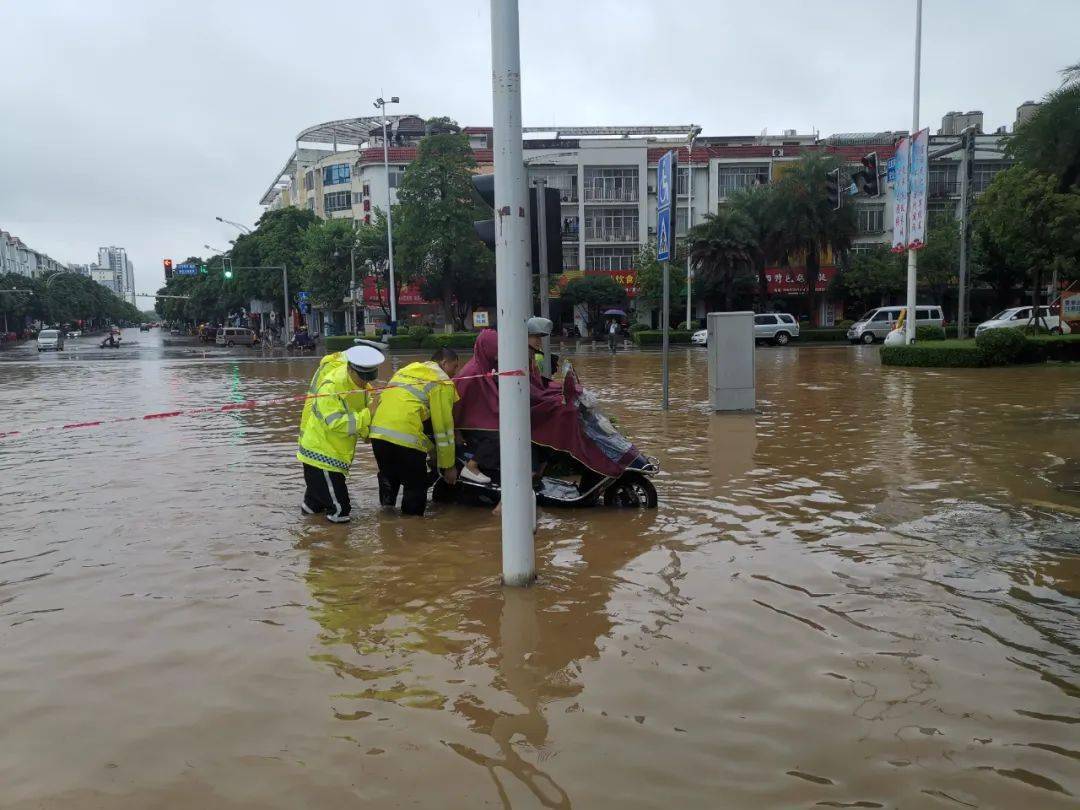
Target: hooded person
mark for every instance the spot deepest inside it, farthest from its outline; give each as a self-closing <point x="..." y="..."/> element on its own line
<point x="556" y="423"/>
<point x="336" y="414"/>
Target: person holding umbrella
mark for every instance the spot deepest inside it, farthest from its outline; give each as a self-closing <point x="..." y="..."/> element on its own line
<point x="613" y="326"/>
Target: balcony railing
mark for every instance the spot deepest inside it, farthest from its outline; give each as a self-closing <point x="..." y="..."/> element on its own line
<point x="943" y="188"/>
<point x="611" y="194"/>
<point x="611" y="234"/>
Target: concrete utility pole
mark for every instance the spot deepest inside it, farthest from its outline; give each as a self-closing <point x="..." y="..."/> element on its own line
<point x="542" y="257"/>
<point x="967" y="159"/>
<point x="381" y="103"/>
<point x="912" y="256"/>
<point x="513" y="297"/>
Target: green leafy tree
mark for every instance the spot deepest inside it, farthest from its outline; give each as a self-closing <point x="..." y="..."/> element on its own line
<point x="939" y="261"/>
<point x="804" y="221"/>
<point x="372" y="254"/>
<point x="722" y="251"/>
<point x="758" y="204"/>
<point x="441" y="125"/>
<point x="867" y="279"/>
<point x="1050" y="140"/>
<point x="650" y="280"/>
<point x="278" y="239"/>
<point x="326" y="257"/>
<point x="597" y="293"/>
<point x="436" y="245"/>
<point x="1024" y="225"/>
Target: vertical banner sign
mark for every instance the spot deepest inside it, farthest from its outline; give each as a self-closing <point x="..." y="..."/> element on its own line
<point x="917" y="201"/>
<point x="663" y="206"/>
<point x="900" y="197"/>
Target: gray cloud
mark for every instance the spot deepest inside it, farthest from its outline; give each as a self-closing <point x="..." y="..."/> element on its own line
<point x="135" y="123"/>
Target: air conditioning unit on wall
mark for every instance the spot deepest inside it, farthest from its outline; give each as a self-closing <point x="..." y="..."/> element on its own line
<point x="778" y="152"/>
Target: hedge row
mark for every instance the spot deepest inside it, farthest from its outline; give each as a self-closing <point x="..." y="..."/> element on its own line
<point x="651" y="337"/>
<point x="456" y="340"/>
<point x="997" y="347"/>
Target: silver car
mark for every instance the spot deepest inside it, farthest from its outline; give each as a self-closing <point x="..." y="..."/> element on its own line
<point x="777" y="327"/>
<point x="877" y="323"/>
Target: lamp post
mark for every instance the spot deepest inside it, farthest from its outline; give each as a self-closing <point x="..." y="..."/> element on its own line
<point x="689" y="218"/>
<point x="381" y="103"/>
<point x="912" y="256"/>
<point x="243" y="228"/>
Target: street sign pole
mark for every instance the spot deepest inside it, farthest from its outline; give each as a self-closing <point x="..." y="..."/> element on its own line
<point x="542" y="257"/>
<point x="665" y="237"/>
<point x="912" y="256"/>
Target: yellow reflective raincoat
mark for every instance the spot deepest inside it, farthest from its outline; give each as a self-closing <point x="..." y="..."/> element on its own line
<point x="417" y="393"/>
<point x="331" y="424"/>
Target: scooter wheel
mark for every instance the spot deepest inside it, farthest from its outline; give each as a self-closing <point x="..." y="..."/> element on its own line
<point x="631" y="490"/>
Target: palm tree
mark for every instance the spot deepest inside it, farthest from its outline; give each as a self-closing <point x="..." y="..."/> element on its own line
<point x="757" y="203"/>
<point x="722" y="247"/>
<point x="804" y="221"/>
<point x="1050" y="140"/>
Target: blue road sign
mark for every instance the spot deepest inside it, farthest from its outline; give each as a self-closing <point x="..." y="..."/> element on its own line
<point x="663" y="235"/>
<point x="663" y="180"/>
<point x="890" y="170"/>
<point x="186" y="270"/>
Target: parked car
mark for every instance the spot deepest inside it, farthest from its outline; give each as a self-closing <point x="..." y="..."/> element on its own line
<point x="1018" y="317"/>
<point x="50" y="340"/>
<point x="776" y="327"/>
<point x="144" y="327"/>
<point x="236" y="336"/>
<point x="76" y="333"/>
<point x="700" y="337"/>
<point x="877" y="323"/>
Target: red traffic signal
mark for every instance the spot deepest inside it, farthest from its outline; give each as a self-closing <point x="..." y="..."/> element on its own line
<point x="168" y="268"/>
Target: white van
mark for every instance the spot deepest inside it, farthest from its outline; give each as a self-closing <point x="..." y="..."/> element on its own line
<point x="1020" y="317"/>
<point x="50" y="340"/>
<point x="877" y="323"/>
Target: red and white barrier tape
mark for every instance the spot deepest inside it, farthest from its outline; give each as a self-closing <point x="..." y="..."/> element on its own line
<point x="245" y="405"/>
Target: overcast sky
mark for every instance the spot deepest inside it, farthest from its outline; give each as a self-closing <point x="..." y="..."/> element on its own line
<point x="136" y="123"/>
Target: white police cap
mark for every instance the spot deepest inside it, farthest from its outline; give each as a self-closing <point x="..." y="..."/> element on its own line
<point x="365" y="358"/>
<point x="539" y="326"/>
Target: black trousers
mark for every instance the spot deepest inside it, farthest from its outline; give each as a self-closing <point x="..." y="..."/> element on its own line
<point x="326" y="492"/>
<point x="402" y="468"/>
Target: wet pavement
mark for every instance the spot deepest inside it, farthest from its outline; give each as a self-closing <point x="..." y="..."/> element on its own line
<point x="866" y="595"/>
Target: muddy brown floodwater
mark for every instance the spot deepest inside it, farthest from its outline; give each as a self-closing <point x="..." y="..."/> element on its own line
<point x="864" y="596"/>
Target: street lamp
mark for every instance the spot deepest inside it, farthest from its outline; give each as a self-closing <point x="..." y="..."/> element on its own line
<point x="690" y="217"/>
<point x="243" y="228"/>
<point x="219" y="251"/>
<point x="380" y="103"/>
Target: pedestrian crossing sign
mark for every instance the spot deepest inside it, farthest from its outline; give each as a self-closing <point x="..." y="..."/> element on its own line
<point x="663" y="235"/>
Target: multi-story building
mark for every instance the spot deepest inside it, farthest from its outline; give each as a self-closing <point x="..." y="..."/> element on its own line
<point x="114" y="260"/>
<point x="18" y="257"/>
<point x="606" y="177"/>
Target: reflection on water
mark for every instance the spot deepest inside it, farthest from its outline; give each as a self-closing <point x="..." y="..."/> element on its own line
<point x="863" y="596"/>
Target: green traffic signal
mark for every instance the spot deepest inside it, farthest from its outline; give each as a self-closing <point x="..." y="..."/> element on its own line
<point x="228" y="274"/>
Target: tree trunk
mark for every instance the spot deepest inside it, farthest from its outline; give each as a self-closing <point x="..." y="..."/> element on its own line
<point x="729" y="290"/>
<point x="449" y="315"/>
<point x="813" y="270"/>
<point x="763" y="284"/>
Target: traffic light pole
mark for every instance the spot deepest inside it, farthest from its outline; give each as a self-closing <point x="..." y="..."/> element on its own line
<point x="544" y="281"/>
<point x="513" y="298"/>
<point x="966" y="158"/>
<point x="912" y="256"/>
<point x="665" y="324"/>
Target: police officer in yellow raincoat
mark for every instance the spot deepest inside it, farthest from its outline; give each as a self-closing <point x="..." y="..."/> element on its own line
<point x="415" y="418"/>
<point x="335" y="415"/>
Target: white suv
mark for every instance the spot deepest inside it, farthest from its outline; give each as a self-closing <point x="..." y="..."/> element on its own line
<point x="778" y="327"/>
<point x="1018" y="317"/>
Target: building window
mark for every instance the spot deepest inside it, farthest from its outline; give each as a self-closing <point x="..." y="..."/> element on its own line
<point x="864" y="247"/>
<point x="616" y="184"/>
<point x="563" y="181"/>
<point x="309" y="180"/>
<point x="682" y="182"/>
<point x="397" y="174"/>
<point x="983" y="173"/>
<point x="570" y="258"/>
<point x="682" y="215"/>
<point x="336" y="174"/>
<point x="944" y="179"/>
<point x="311" y="204"/>
<point x="569" y="229"/>
<point x="336" y="201"/>
<point x="611" y="224"/>
<point x="733" y="178"/>
<point x="610" y="258"/>
<point x="870" y="219"/>
<point x="367" y="190"/>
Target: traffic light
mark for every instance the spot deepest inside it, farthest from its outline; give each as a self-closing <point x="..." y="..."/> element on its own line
<point x="228" y="273"/>
<point x="866" y="179"/>
<point x="832" y="188"/>
<point x="168" y="269"/>
<point x="202" y="269"/>
<point x="485" y="229"/>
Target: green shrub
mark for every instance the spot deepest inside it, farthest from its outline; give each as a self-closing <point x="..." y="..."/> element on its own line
<point x="338" y="343"/>
<point x="455" y="340"/>
<point x="843" y="324"/>
<point x="402" y="342"/>
<point x="924" y="333"/>
<point x="1059" y="348"/>
<point x="639" y="327"/>
<point x="419" y="331"/>
<point x="936" y="354"/>
<point x="650" y="337"/>
<point x="1001" y="347"/>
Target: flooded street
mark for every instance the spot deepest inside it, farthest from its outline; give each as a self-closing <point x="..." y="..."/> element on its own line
<point x="866" y="595"/>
